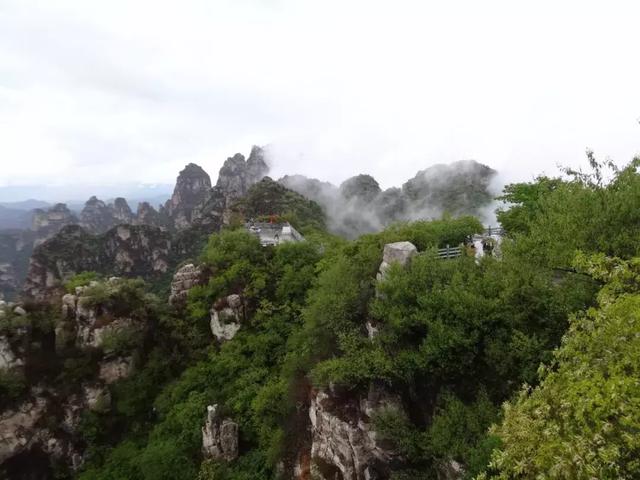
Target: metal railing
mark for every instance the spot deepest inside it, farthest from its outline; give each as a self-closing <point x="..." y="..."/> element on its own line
<point x="454" y="252"/>
<point x="449" y="252"/>
<point x="494" y="231"/>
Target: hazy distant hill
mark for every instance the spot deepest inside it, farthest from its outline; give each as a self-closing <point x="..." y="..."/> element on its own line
<point x="11" y="218"/>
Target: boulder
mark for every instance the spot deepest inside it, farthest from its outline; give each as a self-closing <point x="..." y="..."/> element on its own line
<point x="398" y="252"/>
<point x="219" y="436"/>
<point x="227" y="315"/>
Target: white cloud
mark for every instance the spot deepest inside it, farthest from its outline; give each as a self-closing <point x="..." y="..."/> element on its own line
<point x="101" y="91"/>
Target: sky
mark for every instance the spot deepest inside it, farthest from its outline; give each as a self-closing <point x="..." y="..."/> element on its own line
<point x="129" y="91"/>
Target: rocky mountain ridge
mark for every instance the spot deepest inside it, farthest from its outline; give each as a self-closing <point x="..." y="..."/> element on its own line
<point x="109" y="240"/>
<point x="360" y="206"/>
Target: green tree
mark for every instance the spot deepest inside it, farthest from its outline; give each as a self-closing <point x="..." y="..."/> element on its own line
<point x="582" y="420"/>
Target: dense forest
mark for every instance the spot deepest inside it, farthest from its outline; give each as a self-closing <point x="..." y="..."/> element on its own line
<point x="518" y="365"/>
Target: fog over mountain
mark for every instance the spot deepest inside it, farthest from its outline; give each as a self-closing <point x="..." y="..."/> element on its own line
<point x="319" y="240"/>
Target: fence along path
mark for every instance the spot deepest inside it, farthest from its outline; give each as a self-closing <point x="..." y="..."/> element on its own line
<point x="455" y="252"/>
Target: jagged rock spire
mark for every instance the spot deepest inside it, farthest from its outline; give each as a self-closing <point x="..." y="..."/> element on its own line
<point x="192" y="187"/>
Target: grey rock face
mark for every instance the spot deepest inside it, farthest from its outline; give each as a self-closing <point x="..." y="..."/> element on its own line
<point x="192" y="186"/>
<point x="47" y="223"/>
<point x="87" y="324"/>
<point x="96" y="216"/>
<point x="29" y="426"/>
<point x="227" y="315"/>
<point x="8" y="280"/>
<point x="398" y="252"/>
<point x="186" y="277"/>
<point x="237" y="175"/>
<point x="121" y="211"/>
<point x="147" y="215"/>
<point x="235" y="178"/>
<point x="8" y="359"/>
<point x="114" y="369"/>
<point x="127" y="250"/>
<point x="344" y="444"/>
<point x="18" y="427"/>
<point x="97" y="398"/>
<point x="451" y="470"/>
<point x="219" y="436"/>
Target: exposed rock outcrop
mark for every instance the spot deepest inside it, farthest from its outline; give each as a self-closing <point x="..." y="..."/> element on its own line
<point x="124" y="250"/>
<point x="344" y="444"/>
<point x="115" y="368"/>
<point x="147" y="215"/>
<point x="398" y="252"/>
<point x="15" y="250"/>
<point x="93" y="318"/>
<point x="122" y="212"/>
<point x="8" y="359"/>
<point x="237" y="175"/>
<point x="47" y="223"/>
<point x="227" y="315"/>
<point x="17" y="427"/>
<point x="96" y="216"/>
<point x="192" y="186"/>
<point x="219" y="436"/>
<point x="235" y="178"/>
<point x="183" y="280"/>
<point x="8" y="281"/>
<point x="24" y="428"/>
<point x="97" y="398"/>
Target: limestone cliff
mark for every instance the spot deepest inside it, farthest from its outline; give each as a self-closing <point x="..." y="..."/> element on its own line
<point x="192" y="186"/>
<point x="235" y="178"/>
<point x="344" y="443"/>
<point x="127" y="250"/>
<point x="104" y="325"/>
<point x="15" y="249"/>
<point x="121" y="211"/>
<point x="47" y="223"/>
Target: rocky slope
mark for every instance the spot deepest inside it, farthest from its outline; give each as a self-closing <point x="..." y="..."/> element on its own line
<point x="236" y="176"/>
<point x="111" y="240"/>
<point x="132" y="250"/>
<point x="360" y="206"/>
<point x="64" y="361"/>
<point x="192" y="186"/>
<point x="15" y="249"/>
<point x="93" y="337"/>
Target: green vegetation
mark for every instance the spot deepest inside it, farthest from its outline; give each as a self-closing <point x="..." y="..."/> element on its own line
<point x="268" y="198"/>
<point x="523" y="366"/>
<point x="81" y="280"/>
<point x="582" y="420"/>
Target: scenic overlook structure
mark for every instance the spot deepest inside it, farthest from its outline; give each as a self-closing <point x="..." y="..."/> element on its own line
<point x="274" y="233"/>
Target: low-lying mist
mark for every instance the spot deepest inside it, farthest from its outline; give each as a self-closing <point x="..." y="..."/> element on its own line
<point x="360" y="206"/>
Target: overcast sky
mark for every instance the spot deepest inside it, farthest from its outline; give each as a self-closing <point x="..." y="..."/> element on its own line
<point x="102" y="92"/>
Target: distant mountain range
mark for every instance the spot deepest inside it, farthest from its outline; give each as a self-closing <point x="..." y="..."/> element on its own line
<point x="77" y="194"/>
<point x="19" y="214"/>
